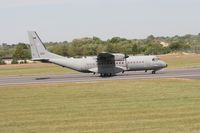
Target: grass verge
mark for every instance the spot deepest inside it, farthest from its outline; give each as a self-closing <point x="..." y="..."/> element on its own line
<point x="182" y="60"/>
<point x="32" y="69"/>
<point x="147" y="106"/>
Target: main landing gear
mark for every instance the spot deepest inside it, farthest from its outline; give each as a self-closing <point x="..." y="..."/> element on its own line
<point x="106" y="74"/>
<point x="153" y="72"/>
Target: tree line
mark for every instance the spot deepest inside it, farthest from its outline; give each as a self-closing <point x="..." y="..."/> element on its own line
<point x="93" y="46"/>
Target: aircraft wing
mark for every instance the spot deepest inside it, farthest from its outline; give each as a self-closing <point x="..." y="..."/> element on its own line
<point x="106" y="63"/>
<point x="105" y="57"/>
<point x="112" y="56"/>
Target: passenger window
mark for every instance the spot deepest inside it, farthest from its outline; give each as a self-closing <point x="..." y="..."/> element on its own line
<point x="155" y="59"/>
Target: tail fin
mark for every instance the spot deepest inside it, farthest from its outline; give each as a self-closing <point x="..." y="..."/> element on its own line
<point x="38" y="50"/>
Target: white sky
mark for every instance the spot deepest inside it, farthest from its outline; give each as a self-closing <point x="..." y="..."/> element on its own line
<point x="21" y="3"/>
<point x="60" y="20"/>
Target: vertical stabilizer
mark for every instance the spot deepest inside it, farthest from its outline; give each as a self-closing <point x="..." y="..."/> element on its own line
<point x="38" y="50"/>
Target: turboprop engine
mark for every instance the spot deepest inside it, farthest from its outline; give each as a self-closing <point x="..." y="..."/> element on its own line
<point x="120" y="57"/>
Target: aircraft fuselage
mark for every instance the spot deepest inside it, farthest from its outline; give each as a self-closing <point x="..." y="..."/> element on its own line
<point x="132" y="63"/>
<point x="106" y="64"/>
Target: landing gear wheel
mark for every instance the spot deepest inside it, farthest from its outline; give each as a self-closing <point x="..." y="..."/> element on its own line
<point x="105" y="74"/>
<point x="153" y="72"/>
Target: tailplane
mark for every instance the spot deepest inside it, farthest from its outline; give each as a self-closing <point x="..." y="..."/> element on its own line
<point x="38" y="49"/>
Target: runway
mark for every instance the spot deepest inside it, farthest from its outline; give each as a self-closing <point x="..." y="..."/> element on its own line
<point x="193" y="73"/>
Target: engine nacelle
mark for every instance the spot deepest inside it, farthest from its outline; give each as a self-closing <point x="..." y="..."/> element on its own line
<point x="119" y="57"/>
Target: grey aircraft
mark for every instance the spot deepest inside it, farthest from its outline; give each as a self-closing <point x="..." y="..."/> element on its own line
<point x="105" y="64"/>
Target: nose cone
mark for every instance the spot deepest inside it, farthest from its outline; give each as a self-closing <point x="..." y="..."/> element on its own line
<point x="163" y="64"/>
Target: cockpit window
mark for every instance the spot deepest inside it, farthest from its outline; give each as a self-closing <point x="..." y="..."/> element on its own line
<point x="155" y="59"/>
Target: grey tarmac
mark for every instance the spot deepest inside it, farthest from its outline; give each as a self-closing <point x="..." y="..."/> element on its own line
<point x="192" y="73"/>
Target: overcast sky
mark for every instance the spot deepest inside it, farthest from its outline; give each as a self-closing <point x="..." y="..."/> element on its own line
<point x="60" y="20"/>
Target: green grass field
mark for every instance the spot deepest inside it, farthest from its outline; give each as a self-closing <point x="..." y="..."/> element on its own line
<point x="181" y="60"/>
<point x="32" y="69"/>
<point x="146" y="106"/>
<point x="174" y="61"/>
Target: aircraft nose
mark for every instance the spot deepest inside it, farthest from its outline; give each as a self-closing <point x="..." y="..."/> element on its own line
<point x="164" y="64"/>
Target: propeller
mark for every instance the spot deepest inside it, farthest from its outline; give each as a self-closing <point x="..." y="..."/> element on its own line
<point x="126" y="55"/>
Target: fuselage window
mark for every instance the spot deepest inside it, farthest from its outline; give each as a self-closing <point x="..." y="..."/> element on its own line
<point x="155" y="59"/>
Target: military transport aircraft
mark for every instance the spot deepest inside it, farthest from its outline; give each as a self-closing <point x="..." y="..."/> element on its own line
<point x="105" y="64"/>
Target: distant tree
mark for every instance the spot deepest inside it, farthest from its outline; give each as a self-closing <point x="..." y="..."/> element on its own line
<point x="153" y="49"/>
<point x="150" y="38"/>
<point x="93" y="46"/>
<point x="14" y="61"/>
<point x="2" y="52"/>
<point x="6" y="50"/>
<point x="175" y="46"/>
<point x="165" y="50"/>
<point x="97" y="40"/>
<point x="179" y="46"/>
<point x="117" y="40"/>
<point x="65" y="42"/>
<point x="110" y="48"/>
<point x="60" y="49"/>
<point x="21" y="52"/>
<point x="2" y="62"/>
<point x="4" y="44"/>
<point x="135" y="49"/>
